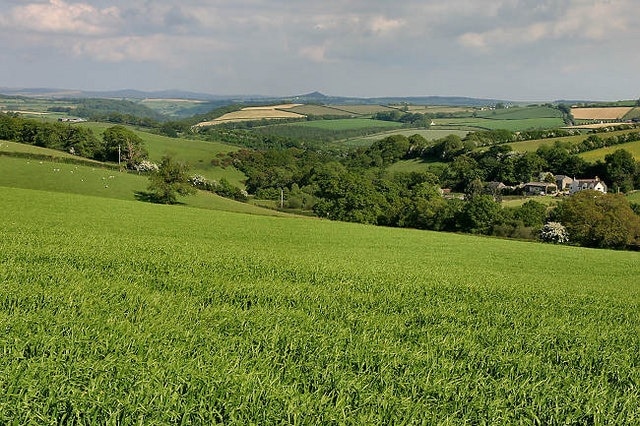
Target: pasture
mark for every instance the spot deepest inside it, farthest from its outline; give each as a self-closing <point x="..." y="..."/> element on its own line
<point x="599" y="154"/>
<point x="417" y="165"/>
<point x="197" y="153"/>
<point x="100" y="182"/>
<point x="348" y="124"/>
<point x="124" y="312"/>
<point x="521" y="113"/>
<point x="532" y="145"/>
<point x="489" y="123"/>
<point x="428" y="134"/>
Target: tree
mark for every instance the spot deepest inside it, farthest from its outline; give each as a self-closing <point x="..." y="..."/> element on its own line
<point x="130" y="145"/>
<point x="479" y="215"/>
<point x="531" y="213"/>
<point x="170" y="180"/>
<point x="594" y="219"/>
<point x="621" y="168"/>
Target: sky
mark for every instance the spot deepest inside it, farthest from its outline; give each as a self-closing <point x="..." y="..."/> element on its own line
<point x="534" y="50"/>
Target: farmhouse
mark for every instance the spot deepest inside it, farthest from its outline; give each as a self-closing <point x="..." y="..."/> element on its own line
<point x="540" y="188"/>
<point x="594" y="184"/>
<point x="563" y="182"/>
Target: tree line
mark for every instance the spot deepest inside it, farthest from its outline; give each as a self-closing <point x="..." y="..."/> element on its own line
<point x="358" y="186"/>
<point x="116" y="144"/>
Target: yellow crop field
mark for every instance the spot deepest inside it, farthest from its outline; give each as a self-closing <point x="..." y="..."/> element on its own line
<point x="255" y="113"/>
<point x="607" y="113"/>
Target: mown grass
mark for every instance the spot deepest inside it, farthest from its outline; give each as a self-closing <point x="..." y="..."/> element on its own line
<point x="634" y="197"/>
<point x="121" y="312"/>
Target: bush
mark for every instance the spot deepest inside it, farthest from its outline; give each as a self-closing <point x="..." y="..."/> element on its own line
<point x="554" y="232"/>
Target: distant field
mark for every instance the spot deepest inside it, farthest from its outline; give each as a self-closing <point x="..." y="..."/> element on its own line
<point x="170" y="106"/>
<point x="588" y="125"/>
<point x="255" y="113"/>
<point x="493" y="124"/>
<point x="599" y="154"/>
<point x="348" y="124"/>
<point x="634" y="197"/>
<point x="362" y="109"/>
<point x="529" y="146"/>
<point x="429" y="134"/>
<point x="521" y="113"/>
<point x="607" y="113"/>
<point x="433" y="109"/>
<point x="416" y="165"/>
<point x="519" y="201"/>
<point x="319" y="110"/>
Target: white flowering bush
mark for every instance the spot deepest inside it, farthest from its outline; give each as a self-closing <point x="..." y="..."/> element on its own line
<point x="201" y="182"/>
<point x="146" y="166"/>
<point x="554" y="232"/>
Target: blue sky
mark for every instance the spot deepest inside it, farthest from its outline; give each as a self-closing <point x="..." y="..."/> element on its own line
<point x="507" y="49"/>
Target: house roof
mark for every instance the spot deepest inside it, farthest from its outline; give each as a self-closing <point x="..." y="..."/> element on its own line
<point x="540" y="184"/>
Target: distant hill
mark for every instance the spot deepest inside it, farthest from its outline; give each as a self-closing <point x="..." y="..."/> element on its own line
<point x="313" y="97"/>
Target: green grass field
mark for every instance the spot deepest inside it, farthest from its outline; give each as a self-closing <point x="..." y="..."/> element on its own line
<point x="198" y="154"/>
<point x="429" y="134"/>
<point x="121" y="312"/>
<point x="521" y="113"/>
<point x="494" y="124"/>
<point x="100" y="182"/>
<point x="8" y="146"/>
<point x="518" y="201"/>
<point x="348" y="124"/>
<point x="416" y="165"/>
<point x="599" y="154"/>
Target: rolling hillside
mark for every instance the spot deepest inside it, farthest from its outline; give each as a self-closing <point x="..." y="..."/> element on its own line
<point x="119" y="311"/>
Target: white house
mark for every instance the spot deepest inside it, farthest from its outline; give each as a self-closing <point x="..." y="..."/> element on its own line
<point x="594" y="184"/>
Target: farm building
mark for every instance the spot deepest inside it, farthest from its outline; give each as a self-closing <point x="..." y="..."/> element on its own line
<point x="582" y="184"/>
<point x="540" y="188"/>
<point x="563" y="182"/>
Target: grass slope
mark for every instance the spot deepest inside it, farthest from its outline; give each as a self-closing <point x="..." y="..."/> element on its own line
<point x="122" y="312"/>
<point x="599" y="154"/>
<point x="198" y="154"/>
<point x="100" y="182"/>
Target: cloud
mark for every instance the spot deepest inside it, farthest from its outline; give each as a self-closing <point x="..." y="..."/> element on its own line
<point x="58" y="16"/>
<point x="578" y="21"/>
<point x="169" y="50"/>
<point x="314" y="53"/>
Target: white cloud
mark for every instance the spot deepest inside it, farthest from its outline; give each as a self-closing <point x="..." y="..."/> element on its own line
<point x="58" y="16"/>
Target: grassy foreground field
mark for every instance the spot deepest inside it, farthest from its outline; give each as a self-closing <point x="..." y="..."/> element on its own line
<point x="124" y="312"/>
